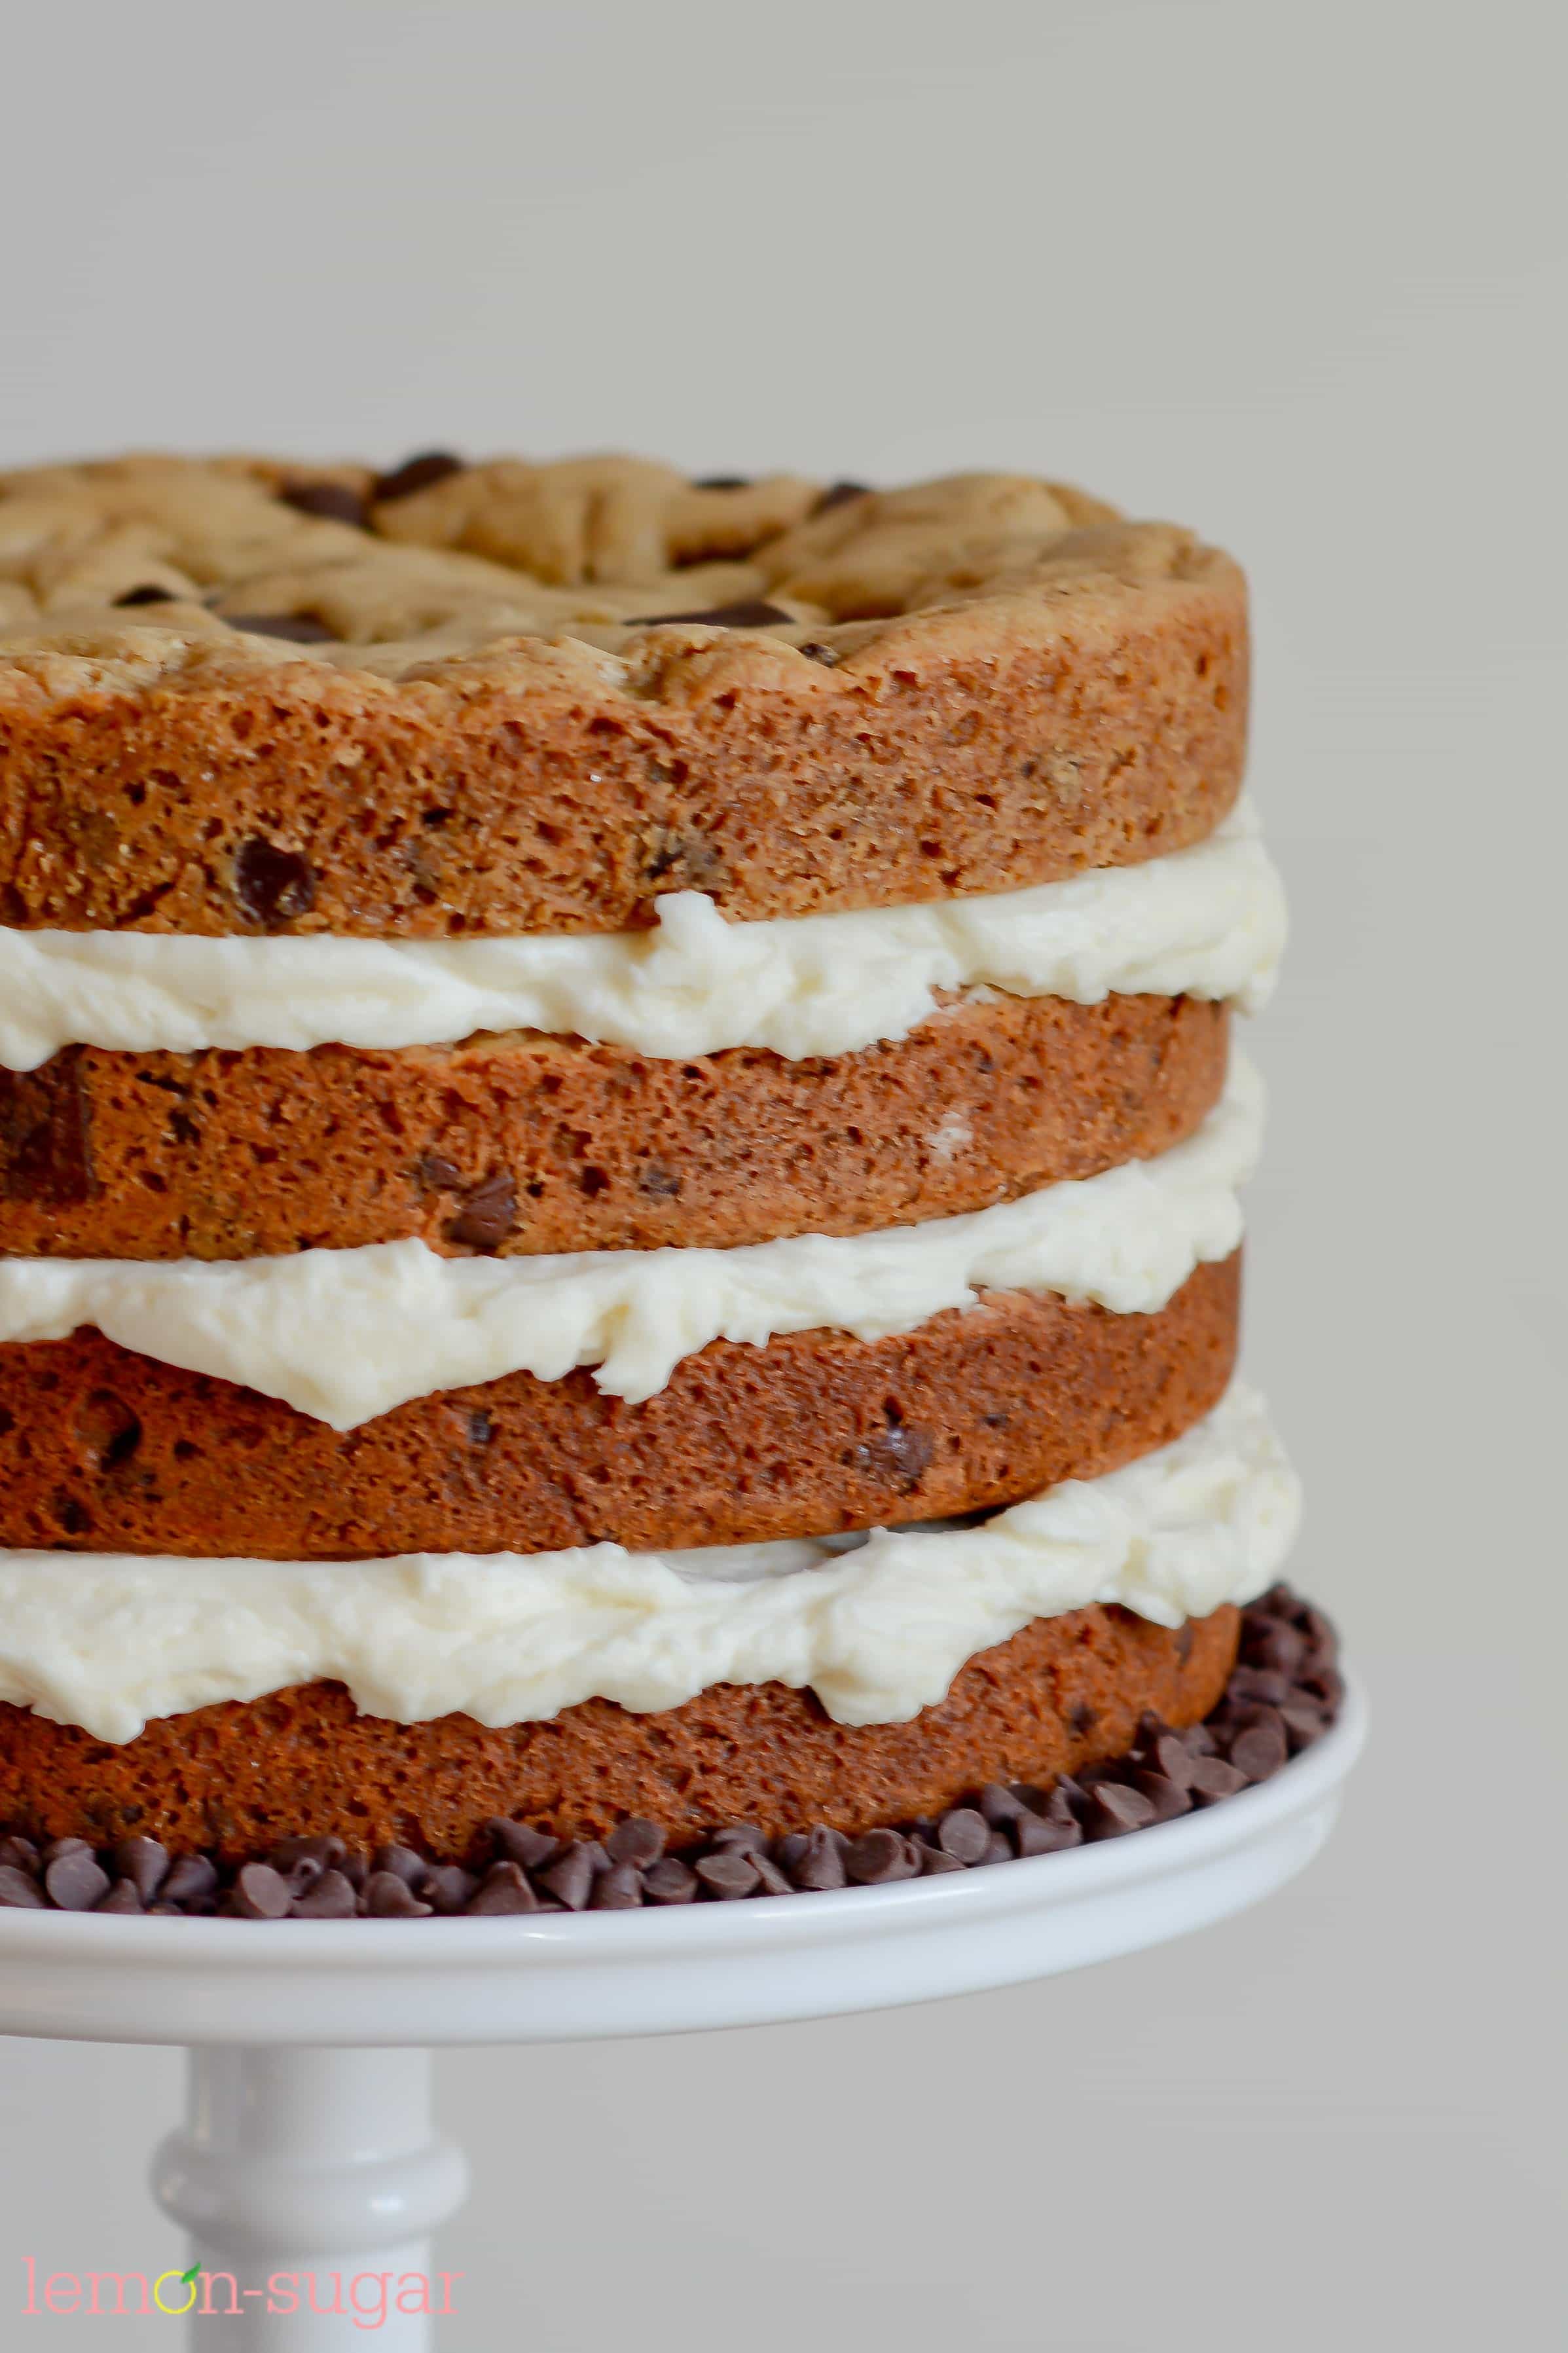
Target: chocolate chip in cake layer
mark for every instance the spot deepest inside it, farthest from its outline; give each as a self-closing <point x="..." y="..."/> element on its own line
<point x="147" y="593"/>
<point x="489" y="1213"/>
<point x="417" y="473"/>
<point x="297" y="629"/>
<point x="722" y="482"/>
<point x="838" y="494"/>
<point x="273" y="886"/>
<point x="745" y="613"/>
<point x="45" y="1134"/>
<point x="330" y="502"/>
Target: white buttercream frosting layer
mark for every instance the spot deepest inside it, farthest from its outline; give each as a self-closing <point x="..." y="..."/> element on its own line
<point x="345" y="1334"/>
<point x="1205" y="921"/>
<point x="878" y="1632"/>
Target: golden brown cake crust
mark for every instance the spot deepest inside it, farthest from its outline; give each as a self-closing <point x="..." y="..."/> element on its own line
<point x="528" y="1142"/>
<point x="104" y="1451"/>
<point x="968" y="686"/>
<point x="1063" y="1693"/>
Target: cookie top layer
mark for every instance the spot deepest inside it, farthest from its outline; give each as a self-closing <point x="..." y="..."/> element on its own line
<point x="240" y="696"/>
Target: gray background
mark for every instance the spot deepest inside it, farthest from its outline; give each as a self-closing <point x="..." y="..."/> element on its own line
<point x="1289" y="273"/>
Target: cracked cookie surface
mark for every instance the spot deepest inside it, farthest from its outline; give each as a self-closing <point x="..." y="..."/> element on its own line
<point x="237" y="696"/>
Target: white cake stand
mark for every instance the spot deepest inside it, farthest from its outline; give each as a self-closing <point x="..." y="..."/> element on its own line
<point x="307" y="2145"/>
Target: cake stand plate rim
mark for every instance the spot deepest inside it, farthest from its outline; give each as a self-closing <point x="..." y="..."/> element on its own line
<point x="571" y="1977"/>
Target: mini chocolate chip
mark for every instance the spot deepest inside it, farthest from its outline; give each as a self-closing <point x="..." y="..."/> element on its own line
<point x="504" y="1889"/>
<point x="1168" y="1798"/>
<point x="433" y="1169"/>
<point x="898" y="1454"/>
<point x="671" y="1881"/>
<point x="838" y="494"/>
<point x="261" y="1894"/>
<point x="1263" y="1683"/>
<point x="296" y="629"/>
<point x="333" y="501"/>
<point x="519" y="1842"/>
<point x="1081" y="1719"/>
<point x="1213" y="1779"/>
<point x="721" y="482"/>
<point x="1304" y="1724"/>
<point x="964" y="1833"/>
<point x="121" y="1898"/>
<point x="329" y="1896"/>
<point x="448" y="1887"/>
<point x="770" y="1880"/>
<point x="76" y="1881"/>
<point x="1199" y="1741"/>
<point x="619" y="1889"/>
<point x="788" y="1851"/>
<point x="935" y="1860"/>
<point x="880" y="1857"/>
<point x="1115" y="1809"/>
<point x="1169" y="1757"/>
<point x="1068" y="1801"/>
<point x="999" y="1804"/>
<point x="488" y="1214"/>
<point x="356" y="1868"/>
<point x="829" y="656"/>
<point x="416" y="473"/>
<point x="660" y="1183"/>
<point x="571" y="1878"/>
<point x="147" y="593"/>
<point x="56" y="1847"/>
<point x="745" y="613"/>
<point x="19" y="1853"/>
<point x="273" y="886"/>
<point x="1326" y="1687"/>
<point x="388" y="1897"/>
<point x="19" y="1890"/>
<point x="1274" y="1645"/>
<point x="191" y="1880"/>
<point x="1037" y="1834"/>
<point x="740" y="1838"/>
<point x="1260" y="1748"/>
<point x="144" y="1861"/>
<point x="410" y="1867"/>
<point x="635" y="1841"/>
<point x="727" y="1875"/>
<point x="821" y="1867"/>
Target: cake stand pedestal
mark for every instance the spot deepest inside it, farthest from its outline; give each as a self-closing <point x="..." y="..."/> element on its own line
<point x="307" y="2148"/>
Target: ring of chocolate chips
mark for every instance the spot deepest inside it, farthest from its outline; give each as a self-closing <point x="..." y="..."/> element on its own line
<point x="1283" y="1694"/>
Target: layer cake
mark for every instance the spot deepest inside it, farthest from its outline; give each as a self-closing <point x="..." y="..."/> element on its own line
<point x="619" y="1164"/>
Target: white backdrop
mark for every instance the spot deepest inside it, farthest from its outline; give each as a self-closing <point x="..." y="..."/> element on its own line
<point x="1291" y="275"/>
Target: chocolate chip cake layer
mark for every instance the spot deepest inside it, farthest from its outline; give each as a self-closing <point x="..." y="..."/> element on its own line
<point x="105" y="1449"/>
<point x="527" y="1142"/>
<point x="509" y="698"/>
<point x="232" y="1780"/>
